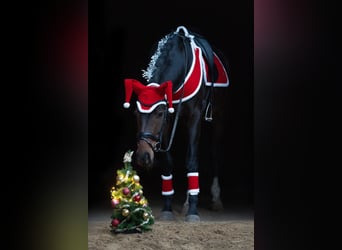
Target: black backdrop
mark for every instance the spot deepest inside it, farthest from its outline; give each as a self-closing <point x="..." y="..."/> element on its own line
<point x="297" y="94"/>
<point x="120" y="39"/>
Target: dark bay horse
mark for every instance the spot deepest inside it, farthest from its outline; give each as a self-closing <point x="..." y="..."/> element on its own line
<point x="186" y="80"/>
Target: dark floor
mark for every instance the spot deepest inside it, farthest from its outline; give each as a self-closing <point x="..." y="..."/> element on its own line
<point x="231" y="211"/>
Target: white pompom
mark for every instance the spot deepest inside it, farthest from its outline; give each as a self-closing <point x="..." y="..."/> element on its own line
<point x="126" y="105"/>
<point x="171" y="110"/>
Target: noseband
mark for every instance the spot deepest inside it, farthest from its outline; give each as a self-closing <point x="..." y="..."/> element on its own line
<point x="146" y="137"/>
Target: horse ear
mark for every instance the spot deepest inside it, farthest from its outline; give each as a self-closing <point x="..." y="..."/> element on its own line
<point x="168" y="91"/>
<point x="130" y="85"/>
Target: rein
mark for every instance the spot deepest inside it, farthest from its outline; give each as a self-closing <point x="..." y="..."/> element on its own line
<point x="159" y="149"/>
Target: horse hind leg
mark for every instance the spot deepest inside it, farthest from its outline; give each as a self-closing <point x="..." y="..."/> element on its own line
<point x="215" y="189"/>
<point x="186" y="203"/>
<point x="217" y="157"/>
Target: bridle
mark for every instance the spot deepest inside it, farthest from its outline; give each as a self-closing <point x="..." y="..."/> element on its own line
<point x="156" y="142"/>
<point x="148" y="136"/>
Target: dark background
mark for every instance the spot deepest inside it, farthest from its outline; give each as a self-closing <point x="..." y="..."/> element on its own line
<point x="120" y="43"/>
<point x="296" y="115"/>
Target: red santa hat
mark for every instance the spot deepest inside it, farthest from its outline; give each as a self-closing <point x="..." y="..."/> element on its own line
<point x="149" y="96"/>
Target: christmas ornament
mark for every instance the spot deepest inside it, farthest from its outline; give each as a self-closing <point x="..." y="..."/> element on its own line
<point x="125" y="191"/>
<point x="136" y="178"/>
<point x="115" y="202"/>
<point x="136" y="198"/>
<point x="115" y="222"/>
<point x="131" y="212"/>
<point x="119" y="179"/>
<point x="125" y="212"/>
<point x="145" y="215"/>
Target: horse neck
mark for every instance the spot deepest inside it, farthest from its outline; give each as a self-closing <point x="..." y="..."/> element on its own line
<point x="174" y="64"/>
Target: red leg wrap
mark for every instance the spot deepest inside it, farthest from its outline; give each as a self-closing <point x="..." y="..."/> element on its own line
<point x="167" y="188"/>
<point x="193" y="183"/>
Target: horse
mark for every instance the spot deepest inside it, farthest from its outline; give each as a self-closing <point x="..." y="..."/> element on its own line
<point x="186" y="80"/>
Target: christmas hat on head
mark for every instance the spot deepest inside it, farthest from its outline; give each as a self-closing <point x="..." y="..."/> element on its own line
<point x="149" y="96"/>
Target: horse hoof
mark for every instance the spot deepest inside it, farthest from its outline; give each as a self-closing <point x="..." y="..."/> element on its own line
<point x="166" y="216"/>
<point x="217" y="206"/>
<point x="192" y="218"/>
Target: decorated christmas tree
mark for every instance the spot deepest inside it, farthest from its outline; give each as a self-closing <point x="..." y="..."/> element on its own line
<point x="131" y="212"/>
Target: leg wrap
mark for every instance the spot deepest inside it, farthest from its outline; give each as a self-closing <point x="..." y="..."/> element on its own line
<point x="167" y="188"/>
<point x="193" y="184"/>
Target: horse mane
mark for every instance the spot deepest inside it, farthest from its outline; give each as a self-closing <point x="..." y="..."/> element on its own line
<point x="167" y="62"/>
<point x="148" y="73"/>
<point x="160" y="58"/>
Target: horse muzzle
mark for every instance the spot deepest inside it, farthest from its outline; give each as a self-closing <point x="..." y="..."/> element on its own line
<point x="147" y="144"/>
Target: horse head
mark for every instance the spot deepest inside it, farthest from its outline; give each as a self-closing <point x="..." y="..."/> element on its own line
<point x="151" y="114"/>
<point x="149" y="136"/>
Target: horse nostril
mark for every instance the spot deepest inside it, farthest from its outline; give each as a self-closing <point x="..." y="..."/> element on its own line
<point x="147" y="159"/>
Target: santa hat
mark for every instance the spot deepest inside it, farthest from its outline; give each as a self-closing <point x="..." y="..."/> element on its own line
<point x="149" y="96"/>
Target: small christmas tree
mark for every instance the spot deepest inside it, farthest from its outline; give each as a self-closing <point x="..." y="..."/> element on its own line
<point x="131" y="212"/>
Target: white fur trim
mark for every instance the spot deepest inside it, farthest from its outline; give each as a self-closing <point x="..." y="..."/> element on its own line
<point x="194" y="191"/>
<point x="192" y="174"/>
<point x="151" y="108"/>
<point x="169" y="177"/>
<point x="153" y="84"/>
<point x="186" y="32"/>
<point x="168" y="192"/>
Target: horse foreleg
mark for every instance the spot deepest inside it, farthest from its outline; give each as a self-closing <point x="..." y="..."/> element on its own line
<point x="192" y="170"/>
<point x="167" y="189"/>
